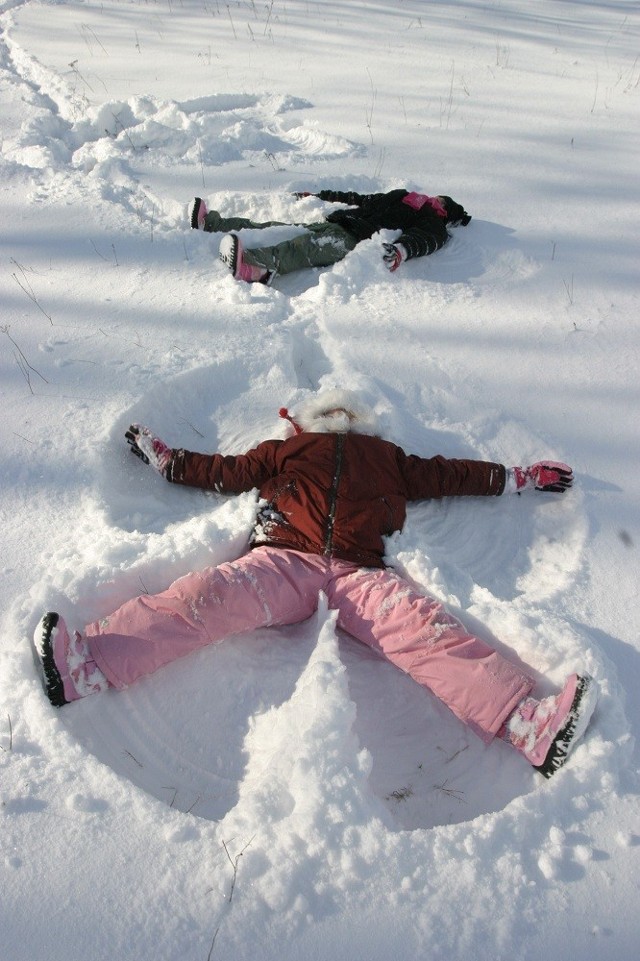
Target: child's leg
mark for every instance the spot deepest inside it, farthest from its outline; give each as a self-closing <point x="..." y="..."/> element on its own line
<point x="320" y="245"/>
<point x="416" y="633"/>
<point x="264" y="587"/>
<point x="214" y="222"/>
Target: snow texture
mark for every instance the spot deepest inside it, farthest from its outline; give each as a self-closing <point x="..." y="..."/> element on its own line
<point x="287" y="796"/>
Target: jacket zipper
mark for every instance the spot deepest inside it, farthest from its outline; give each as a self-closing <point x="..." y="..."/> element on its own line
<point x="333" y="494"/>
<point x="388" y="506"/>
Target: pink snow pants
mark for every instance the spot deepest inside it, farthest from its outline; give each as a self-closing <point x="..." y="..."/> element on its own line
<point x="270" y="587"/>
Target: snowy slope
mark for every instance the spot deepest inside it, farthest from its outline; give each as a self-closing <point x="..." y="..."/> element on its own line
<point x="287" y="795"/>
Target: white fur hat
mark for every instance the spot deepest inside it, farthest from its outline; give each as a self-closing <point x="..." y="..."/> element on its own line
<point x="333" y="411"/>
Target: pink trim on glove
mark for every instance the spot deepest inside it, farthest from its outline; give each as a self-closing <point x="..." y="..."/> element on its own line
<point x="550" y="475"/>
<point x="154" y="449"/>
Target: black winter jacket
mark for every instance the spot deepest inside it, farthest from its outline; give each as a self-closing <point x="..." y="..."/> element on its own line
<point x="423" y="231"/>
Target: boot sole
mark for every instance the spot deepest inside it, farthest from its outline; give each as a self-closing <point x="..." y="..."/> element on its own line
<point x="194" y="213"/>
<point x="229" y="246"/>
<point x="42" y="649"/>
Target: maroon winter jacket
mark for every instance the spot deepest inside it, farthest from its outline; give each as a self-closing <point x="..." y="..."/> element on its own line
<point x="337" y="494"/>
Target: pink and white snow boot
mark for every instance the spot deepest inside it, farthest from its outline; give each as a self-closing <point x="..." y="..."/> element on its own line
<point x="67" y="669"/>
<point x="232" y="254"/>
<point x="546" y="731"/>
<point x="198" y="213"/>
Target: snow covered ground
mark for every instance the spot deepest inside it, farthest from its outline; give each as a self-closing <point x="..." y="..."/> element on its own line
<point x="287" y="795"/>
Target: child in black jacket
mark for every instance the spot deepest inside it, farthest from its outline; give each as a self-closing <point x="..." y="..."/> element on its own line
<point x="421" y="220"/>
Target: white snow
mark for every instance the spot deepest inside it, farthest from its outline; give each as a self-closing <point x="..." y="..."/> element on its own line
<point x="287" y="796"/>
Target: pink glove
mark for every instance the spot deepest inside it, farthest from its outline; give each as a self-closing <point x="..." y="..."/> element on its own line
<point x="547" y="475"/>
<point x="393" y="255"/>
<point x="149" y="448"/>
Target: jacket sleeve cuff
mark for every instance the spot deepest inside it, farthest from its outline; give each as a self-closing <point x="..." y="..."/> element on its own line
<point x="175" y="468"/>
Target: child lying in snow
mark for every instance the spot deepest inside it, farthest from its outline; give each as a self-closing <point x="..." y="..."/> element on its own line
<point x="421" y="220"/>
<point x="329" y="494"/>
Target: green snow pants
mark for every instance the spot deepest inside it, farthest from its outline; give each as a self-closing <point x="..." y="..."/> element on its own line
<point x="320" y="245"/>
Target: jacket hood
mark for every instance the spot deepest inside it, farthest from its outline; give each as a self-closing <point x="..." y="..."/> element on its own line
<point x="336" y="411"/>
